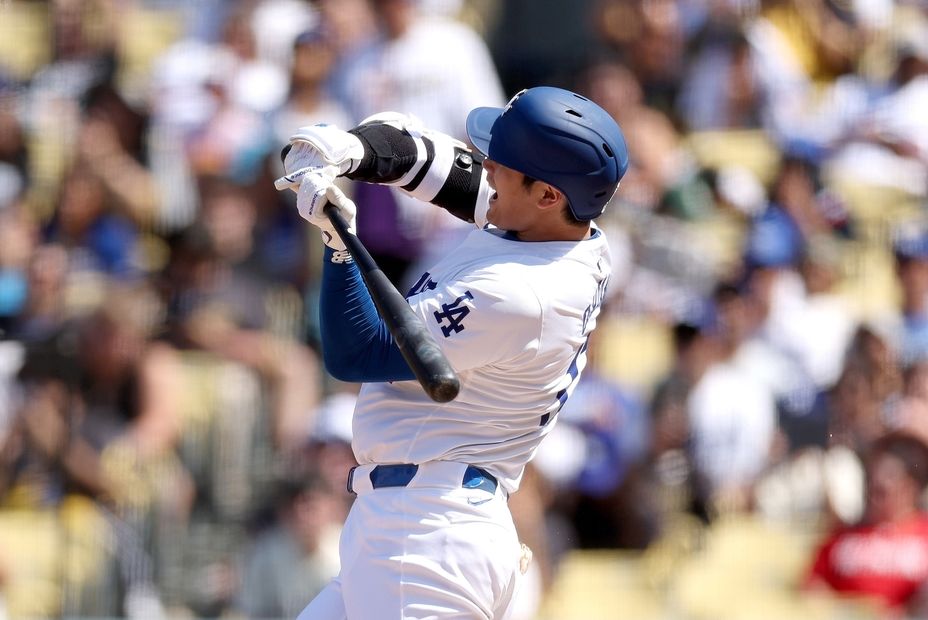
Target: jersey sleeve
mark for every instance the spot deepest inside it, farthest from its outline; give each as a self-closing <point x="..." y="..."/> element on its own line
<point x="356" y="343"/>
<point x="481" y="320"/>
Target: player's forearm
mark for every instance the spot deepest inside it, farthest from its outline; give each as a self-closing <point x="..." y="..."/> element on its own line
<point x="356" y="344"/>
<point x="436" y="171"/>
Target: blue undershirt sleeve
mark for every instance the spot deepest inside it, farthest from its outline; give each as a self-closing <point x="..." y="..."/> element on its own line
<point x="356" y="344"/>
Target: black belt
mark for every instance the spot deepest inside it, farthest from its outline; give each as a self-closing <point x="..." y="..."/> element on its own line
<point x="400" y="475"/>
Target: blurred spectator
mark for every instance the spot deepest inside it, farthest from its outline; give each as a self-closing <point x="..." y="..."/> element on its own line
<point x="282" y="237"/>
<point x="732" y="411"/>
<point x="111" y="146"/>
<point x="14" y="164"/>
<point x="911" y="414"/>
<point x="314" y="55"/>
<point x="670" y="463"/>
<point x="250" y="82"/>
<point x="817" y="325"/>
<point x="18" y="239"/>
<point x="719" y="90"/>
<point x="433" y="67"/>
<point x="436" y="69"/>
<point x="774" y="248"/>
<point x="129" y="383"/>
<point x="862" y="402"/>
<point x="44" y="457"/>
<point x="885" y="556"/>
<point x="98" y="239"/>
<point x="12" y="354"/>
<point x="887" y="144"/>
<point x="803" y="54"/>
<point x="83" y="57"/>
<point x="327" y="448"/>
<point x="276" y="25"/>
<point x="353" y="30"/>
<point x="660" y="160"/>
<point x="602" y="497"/>
<point x="798" y="189"/>
<point x="650" y="35"/>
<point x="235" y="139"/>
<point x="290" y="562"/>
<point x="226" y="296"/>
<point x="45" y="308"/>
<point x="910" y="251"/>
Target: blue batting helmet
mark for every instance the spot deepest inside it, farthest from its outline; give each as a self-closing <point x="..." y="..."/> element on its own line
<point x="558" y="137"/>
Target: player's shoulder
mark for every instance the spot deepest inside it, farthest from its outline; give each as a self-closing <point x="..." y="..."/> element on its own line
<point x="534" y="264"/>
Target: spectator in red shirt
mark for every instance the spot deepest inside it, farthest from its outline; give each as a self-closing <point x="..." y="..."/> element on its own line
<point x="886" y="555"/>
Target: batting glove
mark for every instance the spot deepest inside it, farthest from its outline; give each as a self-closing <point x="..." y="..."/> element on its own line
<point x="317" y="146"/>
<point x="317" y="190"/>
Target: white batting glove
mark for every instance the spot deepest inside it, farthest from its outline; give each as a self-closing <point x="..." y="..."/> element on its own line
<point x="317" y="190"/>
<point x="316" y="146"/>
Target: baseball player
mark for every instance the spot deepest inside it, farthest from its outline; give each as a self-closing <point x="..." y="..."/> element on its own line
<point x="430" y="534"/>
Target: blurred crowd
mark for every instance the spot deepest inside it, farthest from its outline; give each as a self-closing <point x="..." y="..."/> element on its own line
<point x="170" y="445"/>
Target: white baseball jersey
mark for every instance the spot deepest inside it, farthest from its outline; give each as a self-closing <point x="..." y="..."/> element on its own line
<point x="513" y="318"/>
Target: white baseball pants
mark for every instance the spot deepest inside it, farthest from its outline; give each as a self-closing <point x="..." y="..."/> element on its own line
<point x="430" y="550"/>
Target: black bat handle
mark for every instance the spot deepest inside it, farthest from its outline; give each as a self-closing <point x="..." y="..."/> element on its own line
<point x="419" y="349"/>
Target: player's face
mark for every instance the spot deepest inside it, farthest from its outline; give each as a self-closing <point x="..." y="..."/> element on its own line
<point x="512" y="203"/>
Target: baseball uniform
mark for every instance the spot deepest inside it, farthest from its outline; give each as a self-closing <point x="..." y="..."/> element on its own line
<point x="430" y="534"/>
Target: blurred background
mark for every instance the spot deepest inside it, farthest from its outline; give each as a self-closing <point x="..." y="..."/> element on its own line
<point x="747" y="441"/>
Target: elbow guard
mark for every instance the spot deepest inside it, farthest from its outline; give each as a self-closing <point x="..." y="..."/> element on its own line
<point x="432" y="167"/>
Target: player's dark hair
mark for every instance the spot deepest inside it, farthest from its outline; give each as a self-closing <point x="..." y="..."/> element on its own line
<point x="571" y="218"/>
<point x="528" y="181"/>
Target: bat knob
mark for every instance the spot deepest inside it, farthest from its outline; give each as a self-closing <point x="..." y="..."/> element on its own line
<point x="444" y="389"/>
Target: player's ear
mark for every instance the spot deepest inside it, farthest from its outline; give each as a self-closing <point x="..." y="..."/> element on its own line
<point x="549" y="196"/>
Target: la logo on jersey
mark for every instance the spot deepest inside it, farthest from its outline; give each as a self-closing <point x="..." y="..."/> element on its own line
<point x="454" y="313"/>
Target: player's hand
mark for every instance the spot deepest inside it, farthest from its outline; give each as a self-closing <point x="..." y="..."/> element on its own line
<point x="317" y="190"/>
<point x="316" y="146"/>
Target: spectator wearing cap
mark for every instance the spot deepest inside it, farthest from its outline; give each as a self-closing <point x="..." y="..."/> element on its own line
<point x="910" y="250"/>
<point x="774" y="295"/>
<point x="283" y="238"/>
<point x="885" y="556"/>
<point x="309" y="102"/>
<point x="797" y="241"/>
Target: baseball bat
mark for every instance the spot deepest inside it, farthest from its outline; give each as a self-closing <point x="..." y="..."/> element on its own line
<point x="419" y="349"/>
